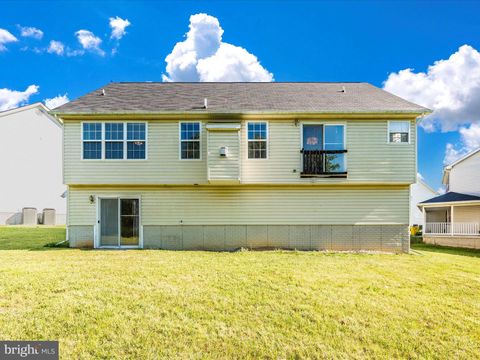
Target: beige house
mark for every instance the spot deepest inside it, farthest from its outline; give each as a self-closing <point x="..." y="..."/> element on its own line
<point x="453" y="219"/>
<point x="220" y="166"/>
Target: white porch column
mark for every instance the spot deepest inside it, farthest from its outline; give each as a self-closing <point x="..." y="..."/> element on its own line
<point x="424" y="225"/>
<point x="451" y="219"/>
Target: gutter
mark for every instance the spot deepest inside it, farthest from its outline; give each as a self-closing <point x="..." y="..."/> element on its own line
<point x="239" y="116"/>
<point x="450" y="203"/>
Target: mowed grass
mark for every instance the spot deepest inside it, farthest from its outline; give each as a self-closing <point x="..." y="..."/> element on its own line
<point x="272" y="304"/>
<point x="30" y="237"/>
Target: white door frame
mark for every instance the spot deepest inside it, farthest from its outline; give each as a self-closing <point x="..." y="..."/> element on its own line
<point x="98" y="222"/>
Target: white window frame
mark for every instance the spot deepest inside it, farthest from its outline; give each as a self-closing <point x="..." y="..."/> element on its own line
<point x="104" y="133"/>
<point x="98" y="141"/>
<point x="124" y="141"/>
<point x="97" y="226"/>
<point x="323" y="138"/>
<point x="127" y="141"/>
<point x="180" y="139"/>
<point x="409" y="132"/>
<point x="267" y="140"/>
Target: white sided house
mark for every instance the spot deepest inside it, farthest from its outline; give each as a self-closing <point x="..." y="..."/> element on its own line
<point x="221" y="166"/>
<point x="453" y="219"/>
<point x="419" y="192"/>
<point x="31" y="162"/>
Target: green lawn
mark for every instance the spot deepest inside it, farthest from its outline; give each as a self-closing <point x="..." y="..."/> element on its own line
<point x="30" y="238"/>
<point x="271" y="304"/>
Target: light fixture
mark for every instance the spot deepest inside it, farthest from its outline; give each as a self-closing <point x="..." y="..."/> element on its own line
<point x="92" y="199"/>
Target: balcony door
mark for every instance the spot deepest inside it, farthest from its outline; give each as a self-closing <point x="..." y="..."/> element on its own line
<point x="323" y="149"/>
<point x="312" y="137"/>
<point x="119" y="223"/>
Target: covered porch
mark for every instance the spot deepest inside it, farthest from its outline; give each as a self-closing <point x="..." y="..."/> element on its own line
<point x="452" y="219"/>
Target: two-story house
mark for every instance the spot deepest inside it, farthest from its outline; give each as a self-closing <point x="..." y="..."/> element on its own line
<point x="221" y="166"/>
<point x="453" y="219"/>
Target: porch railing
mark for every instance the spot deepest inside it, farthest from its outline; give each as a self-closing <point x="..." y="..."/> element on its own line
<point x="445" y="228"/>
<point x="316" y="162"/>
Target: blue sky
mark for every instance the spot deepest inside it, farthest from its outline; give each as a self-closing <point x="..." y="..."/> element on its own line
<point x="294" y="41"/>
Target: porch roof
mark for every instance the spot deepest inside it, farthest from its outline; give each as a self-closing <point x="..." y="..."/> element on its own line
<point x="451" y="197"/>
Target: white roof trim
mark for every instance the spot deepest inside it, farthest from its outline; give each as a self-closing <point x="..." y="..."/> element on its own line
<point x="446" y="169"/>
<point x="40" y="106"/>
<point x="471" y="153"/>
<point x="224" y="127"/>
<point x="450" y="203"/>
<point x="420" y="181"/>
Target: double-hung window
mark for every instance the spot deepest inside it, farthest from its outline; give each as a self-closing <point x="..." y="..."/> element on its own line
<point x="114" y="140"/>
<point x="136" y="141"/>
<point x="399" y="132"/>
<point x="323" y="149"/>
<point x="190" y="140"/>
<point x="92" y="140"/>
<point x="257" y="137"/>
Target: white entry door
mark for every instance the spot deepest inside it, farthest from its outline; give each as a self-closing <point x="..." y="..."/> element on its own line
<point x="119" y="222"/>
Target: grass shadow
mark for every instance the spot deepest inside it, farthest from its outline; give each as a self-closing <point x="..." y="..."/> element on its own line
<point x="447" y="250"/>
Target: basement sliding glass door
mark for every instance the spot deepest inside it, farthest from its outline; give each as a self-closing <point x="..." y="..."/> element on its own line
<point x="119" y="222"/>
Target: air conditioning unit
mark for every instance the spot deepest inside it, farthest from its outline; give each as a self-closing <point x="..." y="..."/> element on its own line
<point x="30" y="216"/>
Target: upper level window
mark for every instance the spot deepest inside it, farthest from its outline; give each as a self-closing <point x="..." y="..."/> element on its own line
<point x="92" y="140"/>
<point x="136" y="141"/>
<point x="323" y="149"/>
<point x="398" y="131"/>
<point x="114" y="136"/>
<point x="190" y="140"/>
<point x="257" y="140"/>
<point x="114" y="140"/>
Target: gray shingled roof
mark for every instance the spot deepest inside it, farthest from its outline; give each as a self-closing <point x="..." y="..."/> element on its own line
<point x="451" y="197"/>
<point x="149" y="97"/>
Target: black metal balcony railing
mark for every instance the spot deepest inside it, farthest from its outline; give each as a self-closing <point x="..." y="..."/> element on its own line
<point x="318" y="162"/>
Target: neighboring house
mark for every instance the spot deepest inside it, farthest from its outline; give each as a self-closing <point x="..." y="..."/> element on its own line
<point x="453" y="219"/>
<point x="31" y="161"/>
<point x="419" y="192"/>
<point x="221" y="166"/>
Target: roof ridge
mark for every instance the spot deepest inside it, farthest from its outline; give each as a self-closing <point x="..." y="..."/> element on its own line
<point x="239" y="82"/>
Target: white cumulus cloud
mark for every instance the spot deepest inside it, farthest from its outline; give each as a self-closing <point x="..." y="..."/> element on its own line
<point x="56" y="47"/>
<point x="441" y="190"/>
<point x="89" y="41"/>
<point x="203" y="56"/>
<point x="6" y="37"/>
<point x="33" y="32"/>
<point x="56" y="101"/>
<point x="118" y="26"/>
<point x="469" y="141"/>
<point x="10" y="99"/>
<point x="450" y="87"/>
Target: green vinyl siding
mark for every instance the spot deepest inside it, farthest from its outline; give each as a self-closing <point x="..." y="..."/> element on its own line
<point x="223" y="168"/>
<point x="252" y="205"/>
<point x="163" y="163"/>
<point x="370" y="158"/>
